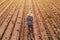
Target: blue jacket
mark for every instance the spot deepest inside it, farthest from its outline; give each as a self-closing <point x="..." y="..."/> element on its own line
<point x="29" y="20"/>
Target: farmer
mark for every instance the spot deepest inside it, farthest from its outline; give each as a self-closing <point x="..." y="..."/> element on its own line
<point x="29" y="21"/>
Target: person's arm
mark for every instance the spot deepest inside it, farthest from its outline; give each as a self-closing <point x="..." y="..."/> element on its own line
<point x="31" y="18"/>
<point x="26" y="19"/>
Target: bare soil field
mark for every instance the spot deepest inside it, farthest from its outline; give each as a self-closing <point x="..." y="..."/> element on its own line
<point x="46" y="19"/>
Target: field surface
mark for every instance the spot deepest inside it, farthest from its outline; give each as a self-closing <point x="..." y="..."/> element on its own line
<point x="46" y="19"/>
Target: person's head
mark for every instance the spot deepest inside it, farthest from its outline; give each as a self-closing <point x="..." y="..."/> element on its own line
<point x="29" y="14"/>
